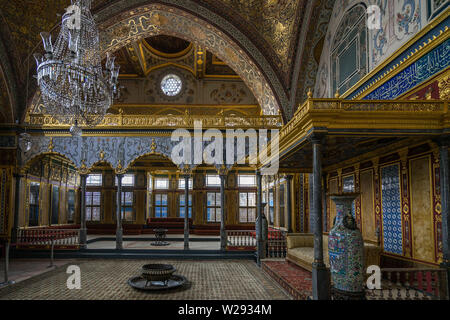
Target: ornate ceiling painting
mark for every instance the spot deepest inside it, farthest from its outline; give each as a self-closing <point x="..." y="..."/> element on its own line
<point x="276" y="20"/>
<point x="316" y="32"/>
<point x="5" y="106"/>
<point x="154" y="20"/>
<point x="258" y="39"/>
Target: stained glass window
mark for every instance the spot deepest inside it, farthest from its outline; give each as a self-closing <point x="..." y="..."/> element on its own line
<point x="171" y="85"/>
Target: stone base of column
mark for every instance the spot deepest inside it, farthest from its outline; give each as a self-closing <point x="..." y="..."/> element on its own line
<point x="346" y="295"/>
<point x="320" y="282"/>
<point x="260" y="252"/>
<point x="119" y="239"/>
<point x="223" y="240"/>
<point x="83" y="238"/>
<point x="186" y="241"/>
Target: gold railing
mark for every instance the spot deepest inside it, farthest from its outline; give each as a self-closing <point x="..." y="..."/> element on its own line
<point x="378" y="106"/>
<point x="173" y="121"/>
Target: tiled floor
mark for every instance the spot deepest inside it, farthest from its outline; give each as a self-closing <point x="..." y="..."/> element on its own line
<point x="107" y="279"/>
<point x="22" y="269"/>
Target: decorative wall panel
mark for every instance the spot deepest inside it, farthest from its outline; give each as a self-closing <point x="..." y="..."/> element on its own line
<point x="348" y="185"/>
<point x="333" y="185"/>
<point x="421" y="209"/>
<point x="401" y="21"/>
<point x="367" y="206"/>
<point x="391" y="209"/>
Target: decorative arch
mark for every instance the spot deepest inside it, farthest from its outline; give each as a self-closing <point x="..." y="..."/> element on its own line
<point x="349" y="49"/>
<point x="124" y="22"/>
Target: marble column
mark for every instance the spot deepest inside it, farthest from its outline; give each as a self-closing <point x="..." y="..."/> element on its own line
<point x="259" y="236"/>
<point x="223" y="233"/>
<point x="119" y="230"/>
<point x="17" y="197"/>
<point x="83" y="229"/>
<point x="289" y="204"/>
<point x="186" y="212"/>
<point x="445" y="198"/>
<point x="320" y="274"/>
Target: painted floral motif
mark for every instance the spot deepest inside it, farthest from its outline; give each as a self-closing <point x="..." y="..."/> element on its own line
<point x="407" y="18"/>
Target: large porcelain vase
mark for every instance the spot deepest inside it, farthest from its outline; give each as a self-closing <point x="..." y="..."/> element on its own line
<point x="346" y="251"/>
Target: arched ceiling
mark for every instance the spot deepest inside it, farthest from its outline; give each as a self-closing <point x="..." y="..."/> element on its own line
<point x="266" y="32"/>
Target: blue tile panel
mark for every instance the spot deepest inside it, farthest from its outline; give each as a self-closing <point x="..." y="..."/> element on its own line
<point x="391" y="209"/>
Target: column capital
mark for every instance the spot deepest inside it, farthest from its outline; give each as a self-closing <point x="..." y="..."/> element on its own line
<point x="222" y="170"/>
<point x="443" y="141"/>
<point x="18" y="175"/>
<point x="317" y="138"/>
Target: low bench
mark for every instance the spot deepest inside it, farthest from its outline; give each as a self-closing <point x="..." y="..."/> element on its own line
<point x="300" y="251"/>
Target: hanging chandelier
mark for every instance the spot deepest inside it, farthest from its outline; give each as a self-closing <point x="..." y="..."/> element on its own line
<point x="75" y="88"/>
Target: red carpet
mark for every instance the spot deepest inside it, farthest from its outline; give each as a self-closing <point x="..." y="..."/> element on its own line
<point x="293" y="279"/>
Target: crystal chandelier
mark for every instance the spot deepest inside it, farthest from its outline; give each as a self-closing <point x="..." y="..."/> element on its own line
<point x="75" y="88"/>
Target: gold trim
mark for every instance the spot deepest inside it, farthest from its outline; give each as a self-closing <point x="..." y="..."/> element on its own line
<point x="414" y="56"/>
<point x="167" y="55"/>
<point x="437" y="77"/>
<point x="166" y="64"/>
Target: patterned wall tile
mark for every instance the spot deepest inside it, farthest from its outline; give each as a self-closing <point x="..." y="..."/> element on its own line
<point x="391" y="209"/>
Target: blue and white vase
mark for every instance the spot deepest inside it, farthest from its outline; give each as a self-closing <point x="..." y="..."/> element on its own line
<point x="346" y="250"/>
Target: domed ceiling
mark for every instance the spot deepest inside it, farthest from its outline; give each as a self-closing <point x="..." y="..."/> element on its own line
<point x="141" y="57"/>
<point x="283" y="31"/>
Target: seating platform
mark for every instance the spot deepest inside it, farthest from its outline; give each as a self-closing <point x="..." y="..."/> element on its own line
<point x="295" y="280"/>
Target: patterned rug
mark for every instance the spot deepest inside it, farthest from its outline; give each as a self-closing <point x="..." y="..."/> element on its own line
<point x="293" y="279"/>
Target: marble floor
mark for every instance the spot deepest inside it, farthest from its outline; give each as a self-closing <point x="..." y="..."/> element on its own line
<point x="107" y="279"/>
<point x="146" y="242"/>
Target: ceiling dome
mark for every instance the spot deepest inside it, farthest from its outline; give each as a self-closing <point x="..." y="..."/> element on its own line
<point x="168" y="46"/>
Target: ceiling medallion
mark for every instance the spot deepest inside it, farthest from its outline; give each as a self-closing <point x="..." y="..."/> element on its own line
<point x="75" y="88"/>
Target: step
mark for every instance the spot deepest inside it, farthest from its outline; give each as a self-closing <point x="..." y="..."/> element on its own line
<point x="134" y="254"/>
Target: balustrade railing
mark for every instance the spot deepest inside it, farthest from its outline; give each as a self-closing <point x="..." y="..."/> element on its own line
<point x="48" y="237"/>
<point x="411" y="284"/>
<point x="276" y="244"/>
<point x="241" y="238"/>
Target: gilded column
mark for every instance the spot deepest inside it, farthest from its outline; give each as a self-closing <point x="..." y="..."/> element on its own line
<point x="320" y="275"/>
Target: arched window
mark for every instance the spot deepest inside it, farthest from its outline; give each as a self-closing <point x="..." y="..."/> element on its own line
<point x="349" y="55"/>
